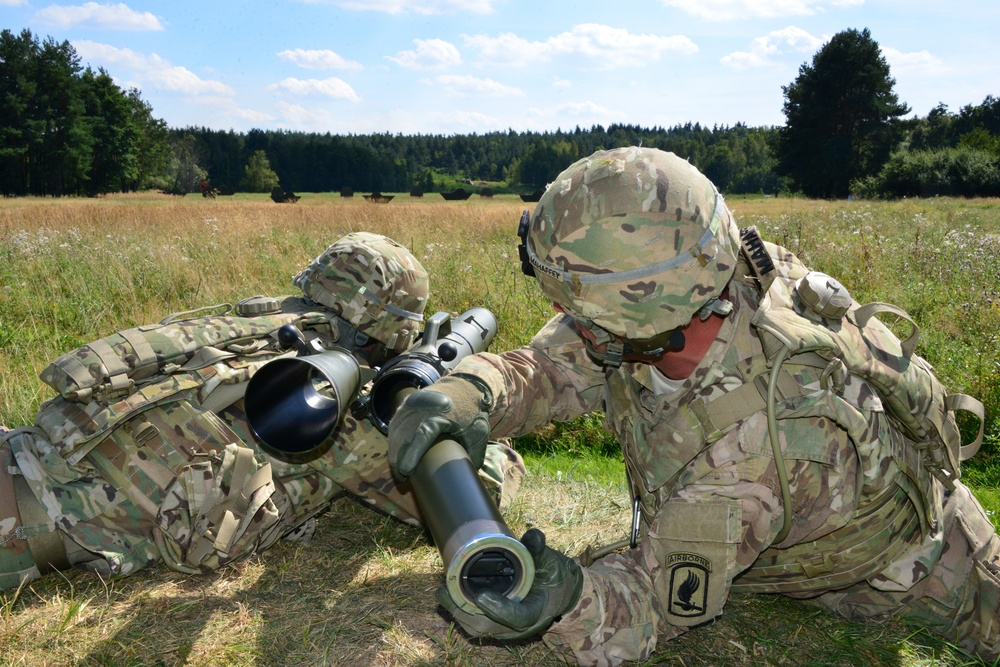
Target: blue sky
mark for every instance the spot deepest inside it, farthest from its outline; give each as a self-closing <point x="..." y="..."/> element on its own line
<point x="463" y="66"/>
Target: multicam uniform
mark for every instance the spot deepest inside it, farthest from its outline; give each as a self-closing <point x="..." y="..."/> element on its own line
<point x="711" y="503"/>
<point x="876" y="523"/>
<point x="146" y="455"/>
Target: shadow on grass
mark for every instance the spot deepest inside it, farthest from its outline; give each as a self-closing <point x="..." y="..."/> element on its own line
<point x="361" y="593"/>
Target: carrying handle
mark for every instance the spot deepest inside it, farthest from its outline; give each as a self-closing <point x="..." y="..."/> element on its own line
<point x="865" y="313"/>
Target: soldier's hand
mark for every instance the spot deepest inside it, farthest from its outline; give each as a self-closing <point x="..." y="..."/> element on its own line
<point x="452" y="407"/>
<point x="554" y="592"/>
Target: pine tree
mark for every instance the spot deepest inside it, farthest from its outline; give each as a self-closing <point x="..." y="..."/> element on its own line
<point x="841" y="116"/>
<point x="114" y="135"/>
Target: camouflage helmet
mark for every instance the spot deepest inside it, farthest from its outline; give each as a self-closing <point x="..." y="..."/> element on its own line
<point x="372" y="282"/>
<point x="633" y="240"/>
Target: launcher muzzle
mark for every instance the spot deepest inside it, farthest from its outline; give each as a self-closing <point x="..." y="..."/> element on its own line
<point x="294" y="405"/>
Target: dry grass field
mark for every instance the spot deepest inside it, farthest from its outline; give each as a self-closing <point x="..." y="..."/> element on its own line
<point x="361" y="591"/>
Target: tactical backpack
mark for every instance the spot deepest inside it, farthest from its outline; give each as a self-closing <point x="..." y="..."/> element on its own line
<point x="807" y="318"/>
<point x="131" y="459"/>
<point x="807" y="311"/>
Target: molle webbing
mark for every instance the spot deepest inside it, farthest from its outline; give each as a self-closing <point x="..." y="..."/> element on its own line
<point x="188" y="473"/>
<point x="878" y="534"/>
<point x="145" y="478"/>
<point x="75" y="428"/>
<point x="108" y="369"/>
<point x="217" y="511"/>
<point x="910" y="392"/>
<point x="236" y="510"/>
<point x="717" y="415"/>
<point x="112" y="461"/>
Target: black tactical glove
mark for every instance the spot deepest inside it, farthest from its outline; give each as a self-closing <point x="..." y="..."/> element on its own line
<point x="453" y="407"/>
<point x="554" y="592"/>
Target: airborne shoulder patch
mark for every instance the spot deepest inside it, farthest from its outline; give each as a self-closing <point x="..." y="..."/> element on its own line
<point x="695" y="544"/>
<point x="689" y="579"/>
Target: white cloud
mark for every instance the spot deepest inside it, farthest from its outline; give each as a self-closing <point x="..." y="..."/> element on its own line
<point x="226" y="106"/>
<point x="149" y="71"/>
<point x="429" y="54"/>
<point x="914" y="63"/>
<point x="318" y="59"/>
<point x="599" y="45"/>
<point x="471" y="85"/>
<point x="253" y="116"/>
<point x="728" y="10"/>
<point x="417" y="6"/>
<point x="301" y="118"/>
<point x="766" y="50"/>
<point x="12" y="3"/>
<point x="94" y="15"/>
<point x="471" y="120"/>
<point x="577" y="110"/>
<point x="332" y="87"/>
<point x="162" y="74"/>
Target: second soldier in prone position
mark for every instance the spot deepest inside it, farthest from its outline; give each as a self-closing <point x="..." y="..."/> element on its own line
<point x="146" y="454"/>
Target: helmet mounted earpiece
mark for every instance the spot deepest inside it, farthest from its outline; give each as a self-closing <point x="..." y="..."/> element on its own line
<point x="522" y="248"/>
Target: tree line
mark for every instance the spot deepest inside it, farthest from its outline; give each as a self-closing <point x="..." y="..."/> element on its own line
<point x="65" y="129"/>
<point x="845" y="133"/>
<point x="68" y="130"/>
<point x="737" y="158"/>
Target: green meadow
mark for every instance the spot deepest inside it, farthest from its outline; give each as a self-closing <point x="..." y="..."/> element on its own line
<point x="361" y="591"/>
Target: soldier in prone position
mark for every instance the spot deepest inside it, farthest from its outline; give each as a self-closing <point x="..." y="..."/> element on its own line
<point x="146" y="454"/>
<point x="777" y="437"/>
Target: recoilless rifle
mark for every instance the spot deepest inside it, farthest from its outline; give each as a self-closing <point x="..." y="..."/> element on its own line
<point x="294" y="405"/>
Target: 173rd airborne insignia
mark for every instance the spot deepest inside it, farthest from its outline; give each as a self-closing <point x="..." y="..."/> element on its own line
<point x="688" y="584"/>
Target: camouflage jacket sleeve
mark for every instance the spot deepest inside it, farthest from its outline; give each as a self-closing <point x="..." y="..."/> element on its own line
<point x="552" y="378"/>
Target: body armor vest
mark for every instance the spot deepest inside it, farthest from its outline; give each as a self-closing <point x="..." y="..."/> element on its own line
<point x="807" y="320"/>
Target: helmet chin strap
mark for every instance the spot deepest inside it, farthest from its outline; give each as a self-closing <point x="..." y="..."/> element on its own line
<point x="614" y="354"/>
<point x="615" y="351"/>
<point x="716" y="306"/>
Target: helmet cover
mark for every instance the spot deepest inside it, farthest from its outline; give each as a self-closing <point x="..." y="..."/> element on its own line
<point x="634" y="240"/>
<point x="372" y="282"/>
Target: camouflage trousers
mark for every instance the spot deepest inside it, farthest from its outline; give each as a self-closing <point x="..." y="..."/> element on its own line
<point x="55" y="516"/>
<point x="959" y="599"/>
